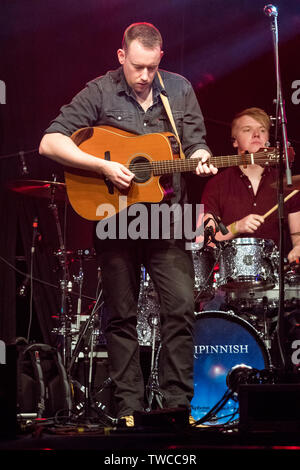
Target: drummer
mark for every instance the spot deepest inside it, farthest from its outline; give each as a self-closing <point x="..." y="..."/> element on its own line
<point x="241" y="195"/>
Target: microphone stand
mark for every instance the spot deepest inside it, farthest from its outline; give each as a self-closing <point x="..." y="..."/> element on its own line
<point x="32" y="252"/>
<point x="272" y="13"/>
<point x="64" y="315"/>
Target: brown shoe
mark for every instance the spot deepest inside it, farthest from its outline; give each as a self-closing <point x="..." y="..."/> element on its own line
<point x="129" y="421"/>
<point x="193" y="422"/>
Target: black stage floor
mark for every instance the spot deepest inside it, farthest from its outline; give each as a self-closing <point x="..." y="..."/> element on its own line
<point x="139" y="446"/>
<point x="268" y="427"/>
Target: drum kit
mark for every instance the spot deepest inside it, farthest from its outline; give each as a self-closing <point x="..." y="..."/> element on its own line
<point x="243" y="290"/>
<point x="236" y="305"/>
<point x="236" y="293"/>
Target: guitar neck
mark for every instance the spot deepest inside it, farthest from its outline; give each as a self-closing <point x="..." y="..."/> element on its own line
<point x="180" y="166"/>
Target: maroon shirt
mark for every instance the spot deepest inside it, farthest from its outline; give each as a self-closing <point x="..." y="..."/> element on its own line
<point x="229" y="195"/>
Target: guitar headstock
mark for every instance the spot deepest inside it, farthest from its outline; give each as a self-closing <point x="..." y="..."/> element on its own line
<point x="270" y="155"/>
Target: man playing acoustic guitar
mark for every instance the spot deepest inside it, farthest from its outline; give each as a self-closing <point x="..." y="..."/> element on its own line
<point x="129" y="98"/>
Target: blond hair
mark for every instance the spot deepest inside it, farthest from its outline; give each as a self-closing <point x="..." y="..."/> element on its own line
<point x="256" y="113"/>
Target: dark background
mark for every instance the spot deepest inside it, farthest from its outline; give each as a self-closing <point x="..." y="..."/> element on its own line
<point x="50" y="49"/>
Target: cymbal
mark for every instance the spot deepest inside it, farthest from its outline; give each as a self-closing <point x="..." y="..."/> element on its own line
<point x="295" y="184"/>
<point x="40" y="188"/>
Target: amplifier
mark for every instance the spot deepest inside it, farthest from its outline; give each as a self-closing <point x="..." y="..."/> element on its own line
<point x="269" y="408"/>
<point x="8" y="391"/>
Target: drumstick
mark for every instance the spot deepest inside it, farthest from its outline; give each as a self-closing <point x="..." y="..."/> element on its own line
<point x="276" y="207"/>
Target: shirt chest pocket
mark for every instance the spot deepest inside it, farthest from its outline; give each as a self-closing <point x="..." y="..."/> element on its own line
<point x="117" y="118"/>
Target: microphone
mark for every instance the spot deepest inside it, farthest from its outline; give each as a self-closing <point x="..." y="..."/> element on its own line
<point x="24" y="169"/>
<point x="240" y="374"/>
<point x="35" y="225"/>
<point x="209" y="232"/>
<point x="219" y="225"/>
<point x="222" y="227"/>
<point x="270" y="11"/>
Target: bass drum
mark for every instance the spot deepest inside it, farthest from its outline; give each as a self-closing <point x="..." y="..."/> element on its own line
<point x="222" y="341"/>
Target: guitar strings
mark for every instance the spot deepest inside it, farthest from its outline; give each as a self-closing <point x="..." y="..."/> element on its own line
<point x="187" y="165"/>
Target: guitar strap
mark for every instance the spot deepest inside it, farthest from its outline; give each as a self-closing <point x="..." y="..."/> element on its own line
<point x="170" y="115"/>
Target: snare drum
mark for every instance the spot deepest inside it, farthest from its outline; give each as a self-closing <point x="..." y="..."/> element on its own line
<point x="221" y="342"/>
<point x="247" y="263"/>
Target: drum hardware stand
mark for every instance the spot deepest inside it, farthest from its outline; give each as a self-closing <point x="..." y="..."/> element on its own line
<point x="209" y="237"/>
<point x="267" y="339"/>
<point x="153" y="382"/>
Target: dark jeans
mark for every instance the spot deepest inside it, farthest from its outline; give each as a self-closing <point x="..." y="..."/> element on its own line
<point x="171" y="270"/>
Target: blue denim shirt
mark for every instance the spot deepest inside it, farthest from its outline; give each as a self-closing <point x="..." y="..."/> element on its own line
<point x="108" y="100"/>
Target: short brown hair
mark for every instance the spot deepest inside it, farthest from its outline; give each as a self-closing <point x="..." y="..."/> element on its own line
<point x="146" y="33"/>
<point x="256" y="113"/>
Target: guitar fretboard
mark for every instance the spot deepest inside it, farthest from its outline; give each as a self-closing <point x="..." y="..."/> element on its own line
<point x="179" y="166"/>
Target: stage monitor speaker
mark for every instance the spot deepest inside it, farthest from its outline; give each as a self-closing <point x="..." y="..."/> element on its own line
<point x="269" y="408"/>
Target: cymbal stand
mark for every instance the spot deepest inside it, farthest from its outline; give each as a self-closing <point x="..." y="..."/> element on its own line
<point x="153" y="382"/>
<point x="88" y="348"/>
<point x="65" y="283"/>
<point x="89" y="409"/>
<point x="79" y="280"/>
<point x="101" y="335"/>
<point x="266" y="337"/>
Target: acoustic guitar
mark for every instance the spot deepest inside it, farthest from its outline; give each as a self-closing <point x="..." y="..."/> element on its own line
<point x="148" y="156"/>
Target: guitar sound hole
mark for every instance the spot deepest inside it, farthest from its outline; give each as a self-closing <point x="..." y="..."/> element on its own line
<point x="141" y="167"/>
